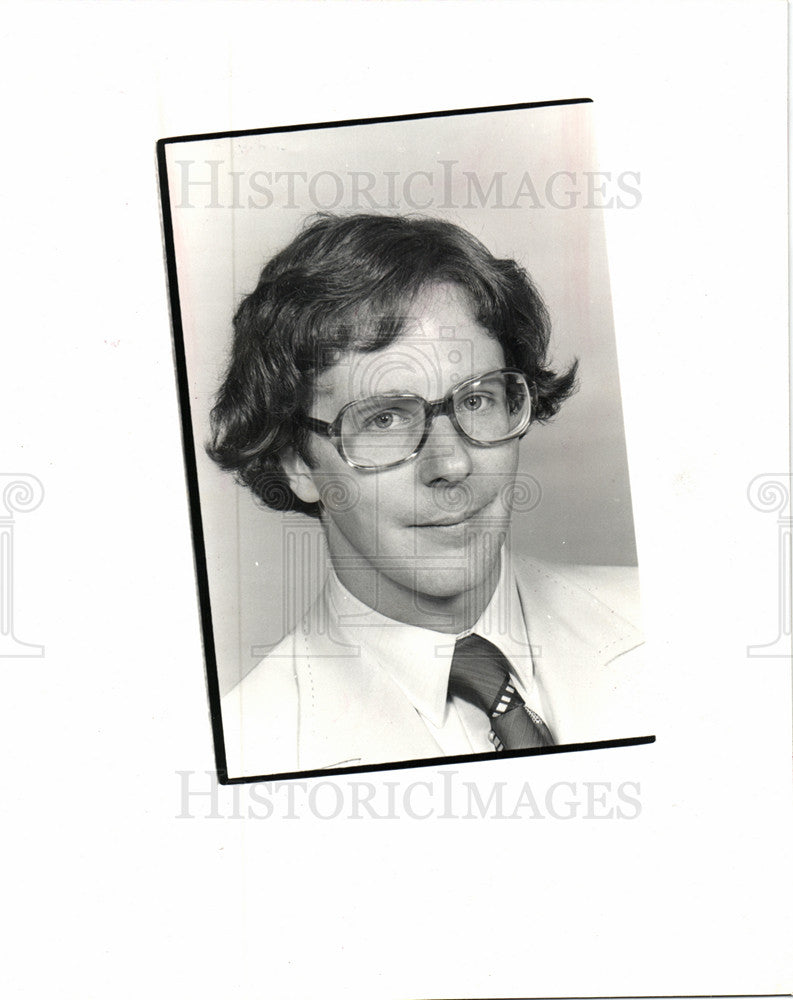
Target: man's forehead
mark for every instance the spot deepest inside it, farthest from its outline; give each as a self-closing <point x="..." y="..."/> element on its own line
<point x="439" y="342"/>
<point x="426" y="366"/>
<point x="409" y="357"/>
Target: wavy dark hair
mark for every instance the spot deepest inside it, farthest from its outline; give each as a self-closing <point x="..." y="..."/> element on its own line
<point x="345" y="282"/>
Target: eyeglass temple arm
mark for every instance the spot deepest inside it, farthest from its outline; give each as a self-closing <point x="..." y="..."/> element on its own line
<point x="320" y="426"/>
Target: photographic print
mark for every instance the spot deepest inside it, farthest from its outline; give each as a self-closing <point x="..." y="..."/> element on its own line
<point x="404" y="441"/>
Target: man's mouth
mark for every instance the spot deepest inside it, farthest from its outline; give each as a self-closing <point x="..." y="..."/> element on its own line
<point x="451" y="520"/>
<point x="443" y="524"/>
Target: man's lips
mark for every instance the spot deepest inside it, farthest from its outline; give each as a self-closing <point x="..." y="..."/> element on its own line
<point x="442" y="524"/>
<point x="451" y="520"/>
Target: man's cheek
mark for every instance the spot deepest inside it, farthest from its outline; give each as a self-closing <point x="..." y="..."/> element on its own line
<point x="362" y="525"/>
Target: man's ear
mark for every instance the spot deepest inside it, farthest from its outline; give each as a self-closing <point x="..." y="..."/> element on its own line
<point x="300" y="476"/>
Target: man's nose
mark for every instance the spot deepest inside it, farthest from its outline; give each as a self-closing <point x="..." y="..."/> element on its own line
<point x="445" y="456"/>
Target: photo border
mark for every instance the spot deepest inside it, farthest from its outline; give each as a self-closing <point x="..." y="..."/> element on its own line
<point x="191" y="470"/>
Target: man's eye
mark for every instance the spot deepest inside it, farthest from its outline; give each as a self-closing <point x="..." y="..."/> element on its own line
<point x="384" y="420"/>
<point x="476" y="401"/>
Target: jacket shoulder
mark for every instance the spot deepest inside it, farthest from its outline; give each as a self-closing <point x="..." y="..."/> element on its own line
<point x="585" y="622"/>
<point x="614" y="590"/>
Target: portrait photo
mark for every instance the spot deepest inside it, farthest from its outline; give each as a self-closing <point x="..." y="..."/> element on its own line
<point x="403" y="438"/>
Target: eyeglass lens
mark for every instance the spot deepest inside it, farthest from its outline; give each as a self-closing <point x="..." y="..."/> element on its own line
<point x="384" y="430"/>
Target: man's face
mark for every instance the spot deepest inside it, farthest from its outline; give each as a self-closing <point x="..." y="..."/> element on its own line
<point x="423" y="537"/>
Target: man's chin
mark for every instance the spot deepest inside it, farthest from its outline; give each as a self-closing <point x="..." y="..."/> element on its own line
<point x="448" y="582"/>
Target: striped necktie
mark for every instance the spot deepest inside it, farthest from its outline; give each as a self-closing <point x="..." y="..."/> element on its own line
<point x="480" y="674"/>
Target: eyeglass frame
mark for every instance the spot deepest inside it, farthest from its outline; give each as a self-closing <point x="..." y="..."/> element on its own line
<point x="432" y="409"/>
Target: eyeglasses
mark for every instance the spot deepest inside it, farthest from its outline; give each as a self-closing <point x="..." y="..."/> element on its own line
<point x="380" y="432"/>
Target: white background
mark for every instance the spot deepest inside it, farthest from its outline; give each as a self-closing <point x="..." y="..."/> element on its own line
<point x="107" y="893"/>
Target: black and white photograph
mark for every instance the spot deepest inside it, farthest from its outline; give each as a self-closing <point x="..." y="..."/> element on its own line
<point x="398" y="346"/>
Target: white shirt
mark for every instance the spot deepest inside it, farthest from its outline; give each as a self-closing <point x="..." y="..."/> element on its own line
<point x="348" y="686"/>
<point x="418" y="660"/>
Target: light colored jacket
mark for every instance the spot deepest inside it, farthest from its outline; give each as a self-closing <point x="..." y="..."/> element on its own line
<point x="313" y="703"/>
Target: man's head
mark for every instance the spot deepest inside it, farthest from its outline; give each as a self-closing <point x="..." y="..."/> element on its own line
<point x="368" y="306"/>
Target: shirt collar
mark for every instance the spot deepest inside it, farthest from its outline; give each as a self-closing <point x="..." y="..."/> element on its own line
<point x="417" y="659"/>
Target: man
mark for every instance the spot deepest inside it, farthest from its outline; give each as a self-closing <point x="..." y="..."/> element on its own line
<point x="383" y="373"/>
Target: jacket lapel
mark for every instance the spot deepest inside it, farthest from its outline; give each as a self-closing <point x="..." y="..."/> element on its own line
<point x="575" y="641"/>
<point x="351" y="712"/>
